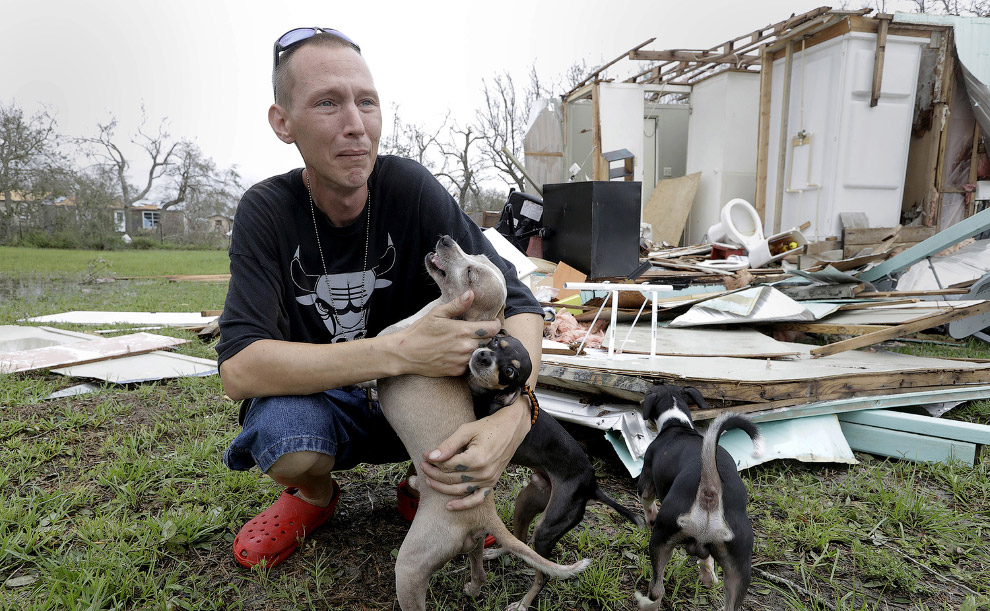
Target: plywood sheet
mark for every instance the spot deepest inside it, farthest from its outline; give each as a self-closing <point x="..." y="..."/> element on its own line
<point x="728" y="369"/>
<point x="669" y="206"/>
<point x="84" y="352"/>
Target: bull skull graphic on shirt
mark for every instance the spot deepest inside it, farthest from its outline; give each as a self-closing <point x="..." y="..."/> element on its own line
<point x="346" y="293"/>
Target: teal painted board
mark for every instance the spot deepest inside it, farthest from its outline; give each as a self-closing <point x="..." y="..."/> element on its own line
<point x="923" y="425"/>
<point x="907" y="446"/>
<point x="966" y="228"/>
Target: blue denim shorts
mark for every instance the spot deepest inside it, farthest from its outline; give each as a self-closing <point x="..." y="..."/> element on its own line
<point x="341" y="423"/>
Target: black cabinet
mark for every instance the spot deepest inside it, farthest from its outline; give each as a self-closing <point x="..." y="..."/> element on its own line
<point x="593" y="226"/>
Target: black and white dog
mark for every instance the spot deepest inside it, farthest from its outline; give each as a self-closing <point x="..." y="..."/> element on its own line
<point x="703" y="499"/>
<point x="563" y="480"/>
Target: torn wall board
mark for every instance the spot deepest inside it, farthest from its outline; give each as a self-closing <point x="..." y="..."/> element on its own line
<point x="142" y="368"/>
<point x="756" y="304"/>
<point x="84" y="352"/>
<point x="14" y="338"/>
<point x="163" y="319"/>
<point x="817" y="439"/>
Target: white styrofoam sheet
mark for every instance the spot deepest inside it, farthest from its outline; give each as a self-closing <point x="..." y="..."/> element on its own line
<point x="165" y="319"/>
<point x="15" y="338"/>
<point x="142" y="368"/>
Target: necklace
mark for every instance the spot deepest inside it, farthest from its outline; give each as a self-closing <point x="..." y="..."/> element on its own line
<point x="364" y="267"/>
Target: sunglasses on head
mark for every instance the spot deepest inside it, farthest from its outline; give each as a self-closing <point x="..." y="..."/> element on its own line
<point x="293" y="37"/>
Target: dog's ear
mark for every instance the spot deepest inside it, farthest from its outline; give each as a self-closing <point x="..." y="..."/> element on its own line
<point x="695" y="395"/>
<point x="651" y="410"/>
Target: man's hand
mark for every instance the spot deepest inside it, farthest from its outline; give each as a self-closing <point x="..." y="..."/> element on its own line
<point x="469" y="462"/>
<point x="437" y="345"/>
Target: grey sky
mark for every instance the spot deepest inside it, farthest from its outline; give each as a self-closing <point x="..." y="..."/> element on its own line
<point x="206" y="65"/>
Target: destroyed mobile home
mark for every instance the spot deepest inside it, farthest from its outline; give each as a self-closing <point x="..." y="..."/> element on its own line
<point x="824" y="177"/>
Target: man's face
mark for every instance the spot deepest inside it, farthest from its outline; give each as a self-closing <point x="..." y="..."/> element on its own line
<point x="333" y="116"/>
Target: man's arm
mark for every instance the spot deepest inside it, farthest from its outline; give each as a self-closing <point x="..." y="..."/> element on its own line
<point x="491" y="441"/>
<point x="434" y="345"/>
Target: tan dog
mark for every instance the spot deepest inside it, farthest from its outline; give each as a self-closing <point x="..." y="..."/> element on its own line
<point x="426" y="411"/>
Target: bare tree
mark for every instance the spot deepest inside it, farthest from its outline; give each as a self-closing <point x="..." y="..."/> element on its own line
<point x="412" y="140"/>
<point x="461" y="167"/>
<point x="177" y="168"/>
<point x="31" y="164"/>
<point x="501" y="122"/>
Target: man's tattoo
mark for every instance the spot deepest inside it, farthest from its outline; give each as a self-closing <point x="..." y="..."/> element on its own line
<point x="481" y="333"/>
<point x="466" y="478"/>
<point x="487" y="492"/>
<point x="460" y="468"/>
<point x="471" y="489"/>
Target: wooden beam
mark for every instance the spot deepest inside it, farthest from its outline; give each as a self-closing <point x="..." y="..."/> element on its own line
<point x="594" y="74"/>
<point x="782" y="143"/>
<point x="599" y="166"/>
<point x="926" y="322"/>
<point x="878" y="57"/>
<point x="763" y="132"/>
<point x="688" y="55"/>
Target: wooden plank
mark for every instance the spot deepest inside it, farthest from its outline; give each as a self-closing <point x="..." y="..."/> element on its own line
<point x="907" y="446"/>
<point x="80" y="353"/>
<point x="825" y="328"/>
<point x="876" y="399"/>
<point x="876" y="304"/>
<point x="966" y="228"/>
<point x="874" y="235"/>
<point x="818" y="386"/>
<point x="922" y="425"/>
<point x="926" y="322"/>
<point x="669" y="205"/>
<point x="873" y="294"/>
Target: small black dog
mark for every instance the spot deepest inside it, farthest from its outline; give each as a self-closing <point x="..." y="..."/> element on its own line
<point x="563" y="480"/>
<point x="703" y="503"/>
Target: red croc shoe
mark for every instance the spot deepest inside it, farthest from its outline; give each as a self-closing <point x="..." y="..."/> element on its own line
<point x="274" y="534"/>
<point x="408" y="504"/>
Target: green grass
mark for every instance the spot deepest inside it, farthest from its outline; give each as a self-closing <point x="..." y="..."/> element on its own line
<point x="119" y="499"/>
<point x="55" y="262"/>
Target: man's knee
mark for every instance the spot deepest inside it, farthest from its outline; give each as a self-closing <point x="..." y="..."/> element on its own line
<point x="296" y="464"/>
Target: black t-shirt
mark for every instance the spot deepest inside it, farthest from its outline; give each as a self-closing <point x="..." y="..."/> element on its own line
<point x="278" y="286"/>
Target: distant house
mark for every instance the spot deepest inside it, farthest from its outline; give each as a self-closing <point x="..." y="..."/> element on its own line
<point x="150" y="218"/>
<point x="219" y="224"/>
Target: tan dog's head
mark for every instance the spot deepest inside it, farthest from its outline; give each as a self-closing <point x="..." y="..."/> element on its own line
<point x="456" y="272"/>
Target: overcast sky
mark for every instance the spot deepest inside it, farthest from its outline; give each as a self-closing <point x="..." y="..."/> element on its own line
<point x="206" y="64"/>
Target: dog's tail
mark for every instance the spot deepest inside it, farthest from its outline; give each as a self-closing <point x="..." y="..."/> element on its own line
<point x="525" y="553"/>
<point x="628" y="514"/>
<point x="710" y="486"/>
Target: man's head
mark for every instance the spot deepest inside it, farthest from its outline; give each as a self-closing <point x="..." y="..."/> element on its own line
<point x="327" y="105"/>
